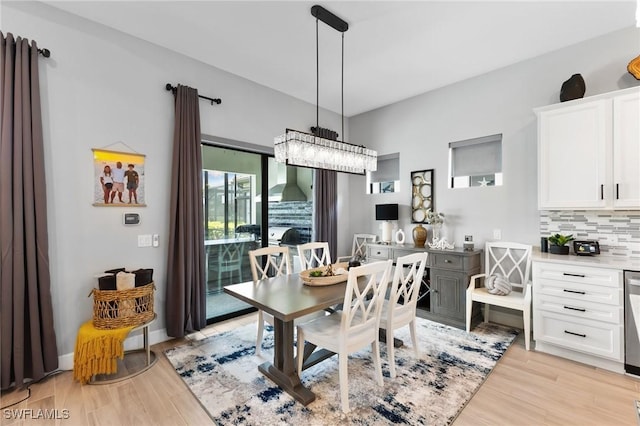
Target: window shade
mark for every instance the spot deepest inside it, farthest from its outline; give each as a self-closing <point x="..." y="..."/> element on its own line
<point x="478" y="156"/>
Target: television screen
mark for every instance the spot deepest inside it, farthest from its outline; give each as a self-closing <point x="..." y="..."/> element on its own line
<point x="386" y="212"/>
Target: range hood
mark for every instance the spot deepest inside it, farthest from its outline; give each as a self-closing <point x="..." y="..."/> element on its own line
<point x="289" y="191"/>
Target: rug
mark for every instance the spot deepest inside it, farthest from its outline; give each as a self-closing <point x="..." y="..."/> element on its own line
<point x="222" y="372"/>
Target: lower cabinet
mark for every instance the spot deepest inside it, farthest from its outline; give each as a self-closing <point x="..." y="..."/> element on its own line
<point x="443" y="297"/>
<point x="578" y="313"/>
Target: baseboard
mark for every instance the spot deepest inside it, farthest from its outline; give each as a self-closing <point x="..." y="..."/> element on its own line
<point x="134" y="341"/>
<point x="615" y="366"/>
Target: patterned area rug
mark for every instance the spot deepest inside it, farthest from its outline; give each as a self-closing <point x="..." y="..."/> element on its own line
<point x="222" y="373"/>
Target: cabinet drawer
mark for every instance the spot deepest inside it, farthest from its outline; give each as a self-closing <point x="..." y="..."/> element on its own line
<point x="577" y="293"/>
<point x="591" y="337"/>
<point x="577" y="274"/>
<point x="447" y="261"/>
<point x="580" y="309"/>
<point x="375" y="252"/>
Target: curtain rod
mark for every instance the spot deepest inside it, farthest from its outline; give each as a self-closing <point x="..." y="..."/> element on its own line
<point x="173" y="89"/>
<point x="44" y="52"/>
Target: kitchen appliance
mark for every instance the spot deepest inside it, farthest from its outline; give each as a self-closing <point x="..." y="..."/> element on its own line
<point x="283" y="236"/>
<point x="632" y="322"/>
<point x="586" y="247"/>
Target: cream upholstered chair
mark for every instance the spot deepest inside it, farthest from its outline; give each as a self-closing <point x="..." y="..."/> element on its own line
<point x="313" y="255"/>
<point x="359" y="247"/>
<point x="512" y="261"/>
<point x="400" y="309"/>
<point x="267" y="262"/>
<point x="355" y="326"/>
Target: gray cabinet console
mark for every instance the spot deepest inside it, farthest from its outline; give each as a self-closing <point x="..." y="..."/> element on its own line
<point x="443" y="295"/>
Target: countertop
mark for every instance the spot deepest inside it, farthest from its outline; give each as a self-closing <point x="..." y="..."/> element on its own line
<point x="611" y="262"/>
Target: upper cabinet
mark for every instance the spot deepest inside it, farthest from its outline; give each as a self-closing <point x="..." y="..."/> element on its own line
<point x="589" y="153"/>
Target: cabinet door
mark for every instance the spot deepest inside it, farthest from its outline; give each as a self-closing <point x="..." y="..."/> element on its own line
<point x="573" y="155"/>
<point x="447" y="293"/>
<point x="626" y="151"/>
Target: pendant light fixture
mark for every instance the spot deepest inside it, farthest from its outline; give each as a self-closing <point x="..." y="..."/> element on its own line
<point x="321" y="149"/>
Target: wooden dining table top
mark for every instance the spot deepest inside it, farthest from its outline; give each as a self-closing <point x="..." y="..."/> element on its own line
<point x="287" y="297"/>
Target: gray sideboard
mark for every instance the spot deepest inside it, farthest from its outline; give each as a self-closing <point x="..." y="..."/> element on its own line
<point x="445" y="282"/>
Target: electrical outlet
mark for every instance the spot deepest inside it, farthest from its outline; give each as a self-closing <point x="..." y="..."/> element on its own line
<point x="497" y="234"/>
<point x="156" y="240"/>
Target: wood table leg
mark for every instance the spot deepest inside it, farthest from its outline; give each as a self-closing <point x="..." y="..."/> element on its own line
<point x="283" y="369"/>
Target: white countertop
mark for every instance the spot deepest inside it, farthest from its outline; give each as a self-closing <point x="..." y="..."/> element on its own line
<point x="612" y="262"/>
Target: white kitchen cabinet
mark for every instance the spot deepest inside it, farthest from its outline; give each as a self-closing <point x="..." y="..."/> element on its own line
<point x="626" y="151"/>
<point x="589" y="153"/>
<point x="578" y="313"/>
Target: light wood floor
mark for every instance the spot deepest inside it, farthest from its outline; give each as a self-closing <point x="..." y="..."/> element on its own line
<point x="525" y="388"/>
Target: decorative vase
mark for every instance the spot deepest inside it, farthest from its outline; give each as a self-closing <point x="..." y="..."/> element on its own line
<point x="400" y="237"/>
<point x="419" y="235"/>
<point x="554" y="249"/>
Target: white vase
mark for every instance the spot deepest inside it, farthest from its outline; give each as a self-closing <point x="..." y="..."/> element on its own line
<point x="435" y="230"/>
<point x="400" y="237"/>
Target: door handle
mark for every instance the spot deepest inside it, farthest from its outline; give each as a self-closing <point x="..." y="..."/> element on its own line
<point x="617" y="192"/>
<point x="602" y="192"/>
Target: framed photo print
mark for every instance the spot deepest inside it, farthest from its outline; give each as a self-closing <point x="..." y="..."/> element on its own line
<point x="118" y="179"/>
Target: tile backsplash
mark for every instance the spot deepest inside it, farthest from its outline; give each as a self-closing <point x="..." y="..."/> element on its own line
<point x="618" y="232"/>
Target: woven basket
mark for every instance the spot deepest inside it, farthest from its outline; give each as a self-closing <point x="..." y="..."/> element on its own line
<point x="122" y="308"/>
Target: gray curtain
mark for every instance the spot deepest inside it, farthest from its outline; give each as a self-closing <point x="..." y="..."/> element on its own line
<point x="326" y="198"/>
<point x="186" y="285"/>
<point x="28" y="337"/>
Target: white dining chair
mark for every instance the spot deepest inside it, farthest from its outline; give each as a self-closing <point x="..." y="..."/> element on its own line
<point x="513" y="262"/>
<point x="267" y="262"/>
<point x="359" y="247"/>
<point x="400" y="309"/>
<point x="355" y="326"/>
<point x="314" y="255"/>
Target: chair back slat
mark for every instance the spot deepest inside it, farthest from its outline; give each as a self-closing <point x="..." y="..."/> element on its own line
<point x="360" y="241"/>
<point x="407" y="279"/>
<point x="512" y="260"/>
<point x="364" y="295"/>
<point x="269" y="262"/>
<point x="313" y="255"/>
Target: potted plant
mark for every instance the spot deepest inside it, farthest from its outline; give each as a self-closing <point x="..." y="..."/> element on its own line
<point x="557" y="243"/>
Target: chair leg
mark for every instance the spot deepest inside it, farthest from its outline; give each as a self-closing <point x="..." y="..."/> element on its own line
<point x="300" y="347"/>
<point x="391" y="352"/>
<point x="344" y="381"/>
<point x="526" y="316"/>
<point x="414" y="338"/>
<point x="486" y="312"/>
<point x="469" y="309"/>
<point x="375" y="347"/>
<point x="260" y="331"/>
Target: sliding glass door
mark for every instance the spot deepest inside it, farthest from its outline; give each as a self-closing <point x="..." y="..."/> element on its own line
<point x="246" y="194"/>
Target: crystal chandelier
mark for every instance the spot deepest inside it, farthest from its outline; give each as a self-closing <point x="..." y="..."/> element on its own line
<point x="311" y="150"/>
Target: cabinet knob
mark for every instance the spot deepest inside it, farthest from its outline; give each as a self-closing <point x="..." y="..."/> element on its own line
<point x="447" y="261"/>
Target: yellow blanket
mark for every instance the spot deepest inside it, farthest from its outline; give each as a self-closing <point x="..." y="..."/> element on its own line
<point x="97" y="351"/>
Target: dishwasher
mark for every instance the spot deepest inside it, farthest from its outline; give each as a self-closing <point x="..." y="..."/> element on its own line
<point x="632" y="322"/>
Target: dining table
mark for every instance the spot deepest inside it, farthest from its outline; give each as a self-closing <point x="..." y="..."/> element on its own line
<point x="287" y="297"/>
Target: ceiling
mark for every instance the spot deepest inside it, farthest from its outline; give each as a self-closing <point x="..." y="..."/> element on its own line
<point x="393" y="50"/>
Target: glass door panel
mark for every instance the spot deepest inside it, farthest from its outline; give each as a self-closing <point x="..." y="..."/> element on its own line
<point x="232" y="218"/>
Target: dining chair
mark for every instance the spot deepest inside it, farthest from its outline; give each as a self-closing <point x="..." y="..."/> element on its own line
<point x="267" y="262"/>
<point x="230" y="259"/>
<point x="314" y="255"/>
<point x="510" y="262"/>
<point x="400" y="309"/>
<point x="355" y="326"/>
<point x="359" y="247"/>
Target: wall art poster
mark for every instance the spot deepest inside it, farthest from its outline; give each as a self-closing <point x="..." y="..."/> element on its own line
<point x="118" y="179"/>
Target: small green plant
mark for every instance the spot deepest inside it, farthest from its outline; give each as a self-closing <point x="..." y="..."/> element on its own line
<point x="560" y="240"/>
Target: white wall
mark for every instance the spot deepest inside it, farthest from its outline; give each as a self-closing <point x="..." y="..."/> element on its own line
<point x="101" y="87"/>
<point x="420" y="129"/>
